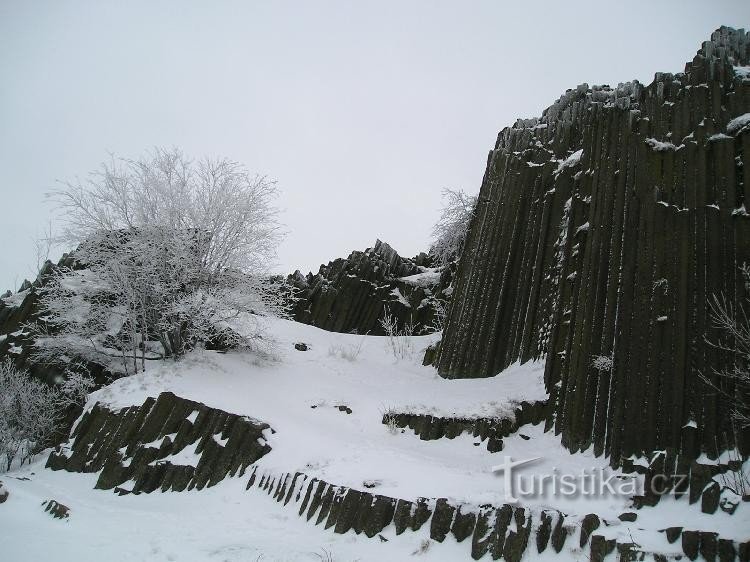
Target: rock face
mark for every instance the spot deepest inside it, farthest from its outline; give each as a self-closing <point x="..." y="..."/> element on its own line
<point x="169" y="444"/>
<point x="601" y="232"/>
<point x="353" y="294"/>
<point x="21" y="309"/>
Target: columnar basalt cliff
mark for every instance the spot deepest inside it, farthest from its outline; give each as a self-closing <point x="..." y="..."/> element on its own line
<point x="601" y="232"/>
<point x="354" y="294"/>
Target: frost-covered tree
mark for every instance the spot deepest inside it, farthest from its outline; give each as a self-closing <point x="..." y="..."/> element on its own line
<point x="449" y="233"/>
<point x="170" y="251"/>
<point x="30" y="411"/>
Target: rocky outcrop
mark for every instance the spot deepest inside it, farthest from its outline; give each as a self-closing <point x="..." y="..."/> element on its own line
<point x="56" y="509"/>
<point x="489" y="430"/>
<point x="20" y="310"/>
<point x="168" y="443"/>
<point x="353" y="294"/>
<point x="601" y="232"/>
<point x="505" y="532"/>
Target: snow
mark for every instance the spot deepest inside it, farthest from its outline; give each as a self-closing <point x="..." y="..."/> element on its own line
<point x="223" y="523"/>
<point x="570" y="161"/>
<point x="718" y="137"/>
<point x="660" y="146"/>
<point x="228" y="523"/>
<point x="400" y="298"/>
<point x="16" y="299"/>
<point x="738" y="123"/>
<point x="219" y="441"/>
<point x="742" y="71"/>
<point x="427" y="278"/>
<point x="186" y="457"/>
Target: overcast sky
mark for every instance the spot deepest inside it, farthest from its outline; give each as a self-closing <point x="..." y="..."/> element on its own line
<point x="362" y="111"/>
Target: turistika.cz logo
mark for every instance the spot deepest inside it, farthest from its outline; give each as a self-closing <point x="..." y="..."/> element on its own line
<point x="588" y="483"/>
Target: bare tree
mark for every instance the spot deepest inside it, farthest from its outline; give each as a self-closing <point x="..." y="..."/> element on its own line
<point x="733" y="322"/>
<point x="170" y="251"/>
<point x="449" y="233"/>
<point x="30" y="411"/>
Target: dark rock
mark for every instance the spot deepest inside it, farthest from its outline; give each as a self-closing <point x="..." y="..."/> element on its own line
<point x="517" y="541"/>
<point x="441" y="520"/>
<point x="710" y="498"/>
<point x="56" y="510"/>
<point x="700" y="477"/>
<point x="301" y="346"/>
<point x="421" y="515"/>
<point x="463" y="524"/>
<point x="691" y="544"/>
<point x="348" y="511"/>
<point x="379" y="516"/>
<point x="709" y="546"/>
<point x="559" y="534"/>
<point x="544" y="532"/>
<point x="589" y="524"/>
<point x="601" y="547"/>
<point x="627" y="552"/>
<point x="101" y="434"/>
<point x="402" y="516"/>
<point x="480" y="540"/>
<point x="491" y="430"/>
<point x="628" y="516"/>
<point x="353" y="295"/>
<point x="726" y="550"/>
<point x="4" y="493"/>
<point x="673" y="533"/>
<point x="497" y="538"/>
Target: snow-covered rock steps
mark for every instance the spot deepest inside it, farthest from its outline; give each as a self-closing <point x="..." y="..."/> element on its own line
<point x="503" y="532"/>
<point x="488" y="429"/>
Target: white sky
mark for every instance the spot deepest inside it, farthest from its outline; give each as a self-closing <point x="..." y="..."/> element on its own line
<point x="363" y="111"/>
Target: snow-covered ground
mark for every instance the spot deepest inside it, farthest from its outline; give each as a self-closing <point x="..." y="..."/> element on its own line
<point x="298" y="394"/>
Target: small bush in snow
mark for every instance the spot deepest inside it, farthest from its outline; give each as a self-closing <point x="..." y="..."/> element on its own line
<point x="30" y="412"/>
<point x="389" y="420"/>
<point x="399" y="338"/>
<point x="350" y="352"/>
<point x="438" y="321"/>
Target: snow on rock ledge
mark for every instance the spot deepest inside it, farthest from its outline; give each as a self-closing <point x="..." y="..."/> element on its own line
<point x="137" y="445"/>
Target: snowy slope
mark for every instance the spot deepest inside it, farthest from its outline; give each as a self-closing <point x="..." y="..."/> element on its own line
<point x="299" y="393"/>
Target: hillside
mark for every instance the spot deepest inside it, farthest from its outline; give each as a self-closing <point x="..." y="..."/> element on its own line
<point x="571" y="407"/>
